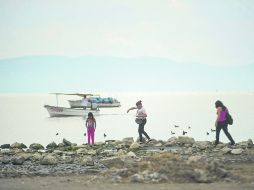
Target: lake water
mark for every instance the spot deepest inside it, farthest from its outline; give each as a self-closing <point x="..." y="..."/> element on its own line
<point x="24" y="119"/>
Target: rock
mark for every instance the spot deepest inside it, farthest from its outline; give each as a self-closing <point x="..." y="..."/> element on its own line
<point x="66" y="143"/>
<point x="18" y="160"/>
<point x="185" y="140"/>
<point x="5" y="146"/>
<point x="135" y="145"/>
<point x="36" y="156"/>
<point x="172" y="139"/>
<point x="5" y="160"/>
<point x="121" y="152"/>
<point x="61" y="145"/>
<point x="158" y="145"/>
<point x="87" y="161"/>
<point x="237" y="151"/>
<point x="128" y="140"/>
<point x="250" y="142"/>
<point x="136" y="178"/>
<point x="82" y="151"/>
<point x="48" y="160"/>
<point x="131" y="154"/>
<point x="58" y="152"/>
<point x="245" y="144"/>
<point x="226" y="150"/>
<point x="202" y="145"/>
<point x="189" y="151"/>
<point x="221" y="145"/>
<point x="91" y="152"/>
<point x="70" y="153"/>
<point x="52" y="145"/>
<point x="112" y="162"/>
<point x="36" y="146"/>
<point x="18" y="145"/>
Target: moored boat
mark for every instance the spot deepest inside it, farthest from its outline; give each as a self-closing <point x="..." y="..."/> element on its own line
<point x="55" y="111"/>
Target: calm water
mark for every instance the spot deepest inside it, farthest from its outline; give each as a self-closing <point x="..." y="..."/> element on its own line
<point x="24" y="119"/>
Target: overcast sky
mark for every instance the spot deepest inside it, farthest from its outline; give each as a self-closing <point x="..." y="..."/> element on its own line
<point x="215" y="32"/>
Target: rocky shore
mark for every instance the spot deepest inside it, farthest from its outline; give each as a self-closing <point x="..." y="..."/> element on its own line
<point x="178" y="160"/>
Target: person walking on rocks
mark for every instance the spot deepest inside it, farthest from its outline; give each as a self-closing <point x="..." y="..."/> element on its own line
<point x="141" y="116"/>
<point x="91" y="126"/>
<point x="221" y="122"/>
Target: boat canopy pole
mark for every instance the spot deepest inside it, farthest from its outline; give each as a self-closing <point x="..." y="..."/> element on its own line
<point x="57" y="100"/>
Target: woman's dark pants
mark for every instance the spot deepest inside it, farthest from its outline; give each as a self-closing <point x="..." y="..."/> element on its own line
<point x="142" y="131"/>
<point x="224" y="126"/>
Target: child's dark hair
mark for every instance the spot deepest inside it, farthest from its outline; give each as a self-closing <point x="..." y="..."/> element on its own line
<point x="90" y="114"/>
<point x="219" y="103"/>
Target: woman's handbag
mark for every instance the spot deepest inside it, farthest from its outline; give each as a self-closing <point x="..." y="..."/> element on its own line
<point x="139" y="121"/>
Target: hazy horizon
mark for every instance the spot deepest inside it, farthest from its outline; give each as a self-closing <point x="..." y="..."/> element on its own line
<point x="169" y="46"/>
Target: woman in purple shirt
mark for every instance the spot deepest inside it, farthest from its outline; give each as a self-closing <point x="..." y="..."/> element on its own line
<point x="221" y="122"/>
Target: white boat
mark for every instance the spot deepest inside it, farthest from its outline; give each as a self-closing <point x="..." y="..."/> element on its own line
<point x="78" y="104"/>
<point x="55" y="111"/>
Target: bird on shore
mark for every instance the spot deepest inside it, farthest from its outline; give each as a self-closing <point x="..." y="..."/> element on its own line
<point x="184" y="132"/>
<point x="177" y="126"/>
<point x="104" y="135"/>
<point x="57" y="134"/>
<point x="172" y="133"/>
<point x="213" y="130"/>
<point x="84" y="134"/>
<point x="189" y="127"/>
<point x="207" y="133"/>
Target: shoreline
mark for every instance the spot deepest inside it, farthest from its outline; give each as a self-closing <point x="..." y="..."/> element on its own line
<point x="178" y="160"/>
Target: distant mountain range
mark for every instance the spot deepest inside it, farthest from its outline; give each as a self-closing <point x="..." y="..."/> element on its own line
<point x="90" y="73"/>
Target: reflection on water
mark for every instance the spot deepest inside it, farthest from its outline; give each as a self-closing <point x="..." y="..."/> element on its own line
<point x="24" y="119"/>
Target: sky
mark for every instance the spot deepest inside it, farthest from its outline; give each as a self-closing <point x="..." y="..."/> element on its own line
<point x="134" y="45"/>
<point x="213" y="32"/>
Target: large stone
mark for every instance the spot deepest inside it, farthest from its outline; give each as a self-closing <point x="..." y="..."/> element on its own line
<point x="135" y="145"/>
<point x="131" y="154"/>
<point x="185" y="140"/>
<point x="52" y="145"/>
<point x="172" y="139"/>
<point x="18" y="145"/>
<point x="18" y="160"/>
<point x="128" y="140"/>
<point x="237" y="151"/>
<point x="66" y="142"/>
<point x="87" y="161"/>
<point x="226" y="150"/>
<point x="5" y="146"/>
<point x="202" y="145"/>
<point x="36" y="146"/>
<point x="82" y="151"/>
<point x="250" y="142"/>
<point x="91" y="152"/>
<point x="5" y="160"/>
<point x="112" y="162"/>
<point x="36" y="156"/>
<point x="49" y="160"/>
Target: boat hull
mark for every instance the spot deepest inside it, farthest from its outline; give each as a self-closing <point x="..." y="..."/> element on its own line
<point x="77" y="104"/>
<point x="55" y="111"/>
